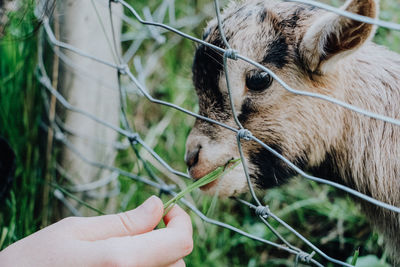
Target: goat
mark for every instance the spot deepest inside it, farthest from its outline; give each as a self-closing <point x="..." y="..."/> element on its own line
<point x="315" y="51"/>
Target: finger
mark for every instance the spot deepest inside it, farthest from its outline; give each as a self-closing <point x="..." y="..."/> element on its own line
<point x="156" y="248"/>
<point x="140" y="220"/>
<point x="178" y="218"/>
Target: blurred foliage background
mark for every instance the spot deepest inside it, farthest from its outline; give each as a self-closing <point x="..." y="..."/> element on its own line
<point x="327" y="217"/>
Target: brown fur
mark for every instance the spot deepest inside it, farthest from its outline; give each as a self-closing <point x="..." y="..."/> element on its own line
<point x="316" y="51"/>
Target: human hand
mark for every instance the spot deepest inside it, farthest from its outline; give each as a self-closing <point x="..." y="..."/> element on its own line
<point x="124" y="239"/>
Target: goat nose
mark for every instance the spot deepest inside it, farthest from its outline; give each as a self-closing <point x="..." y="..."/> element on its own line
<point x="192" y="157"/>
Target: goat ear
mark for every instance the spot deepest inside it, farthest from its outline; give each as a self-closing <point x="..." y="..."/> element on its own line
<point x="332" y="36"/>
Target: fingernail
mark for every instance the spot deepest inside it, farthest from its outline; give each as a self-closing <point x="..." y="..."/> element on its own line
<point x="150" y="204"/>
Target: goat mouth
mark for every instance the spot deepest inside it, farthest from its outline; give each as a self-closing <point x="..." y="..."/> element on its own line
<point x="208" y="186"/>
<point x="198" y="174"/>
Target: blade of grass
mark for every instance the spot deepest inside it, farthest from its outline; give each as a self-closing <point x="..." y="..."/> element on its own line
<point x="355" y="257"/>
<point x="208" y="178"/>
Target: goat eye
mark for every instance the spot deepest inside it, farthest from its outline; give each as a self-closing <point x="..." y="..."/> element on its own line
<point x="258" y="81"/>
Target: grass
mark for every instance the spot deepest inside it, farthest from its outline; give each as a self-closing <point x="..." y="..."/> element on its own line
<point x="206" y="179"/>
<point x="20" y="113"/>
<point x="327" y="217"/>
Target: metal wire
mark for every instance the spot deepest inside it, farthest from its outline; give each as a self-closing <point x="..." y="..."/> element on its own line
<point x="262" y="211"/>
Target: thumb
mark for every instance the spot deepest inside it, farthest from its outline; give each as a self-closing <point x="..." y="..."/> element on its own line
<point x="140" y="220"/>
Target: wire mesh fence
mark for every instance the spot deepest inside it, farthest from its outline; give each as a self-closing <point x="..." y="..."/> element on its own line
<point x="156" y="29"/>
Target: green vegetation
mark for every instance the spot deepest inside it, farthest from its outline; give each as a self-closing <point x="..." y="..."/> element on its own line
<point x="206" y="179"/>
<point x="20" y="113"/>
<point x="327" y="217"/>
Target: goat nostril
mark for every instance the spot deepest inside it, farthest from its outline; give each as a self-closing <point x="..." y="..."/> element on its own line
<point x="192" y="157"/>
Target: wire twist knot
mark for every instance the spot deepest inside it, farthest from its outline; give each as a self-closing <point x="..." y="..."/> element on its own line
<point x="262" y="211"/>
<point x="244" y="134"/>
<point x="232" y="54"/>
<point x="123" y="69"/>
<point x="304" y="257"/>
<point x="133" y="138"/>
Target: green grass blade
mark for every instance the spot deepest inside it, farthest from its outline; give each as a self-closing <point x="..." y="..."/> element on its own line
<point x="208" y="178"/>
<point x="355" y="257"/>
